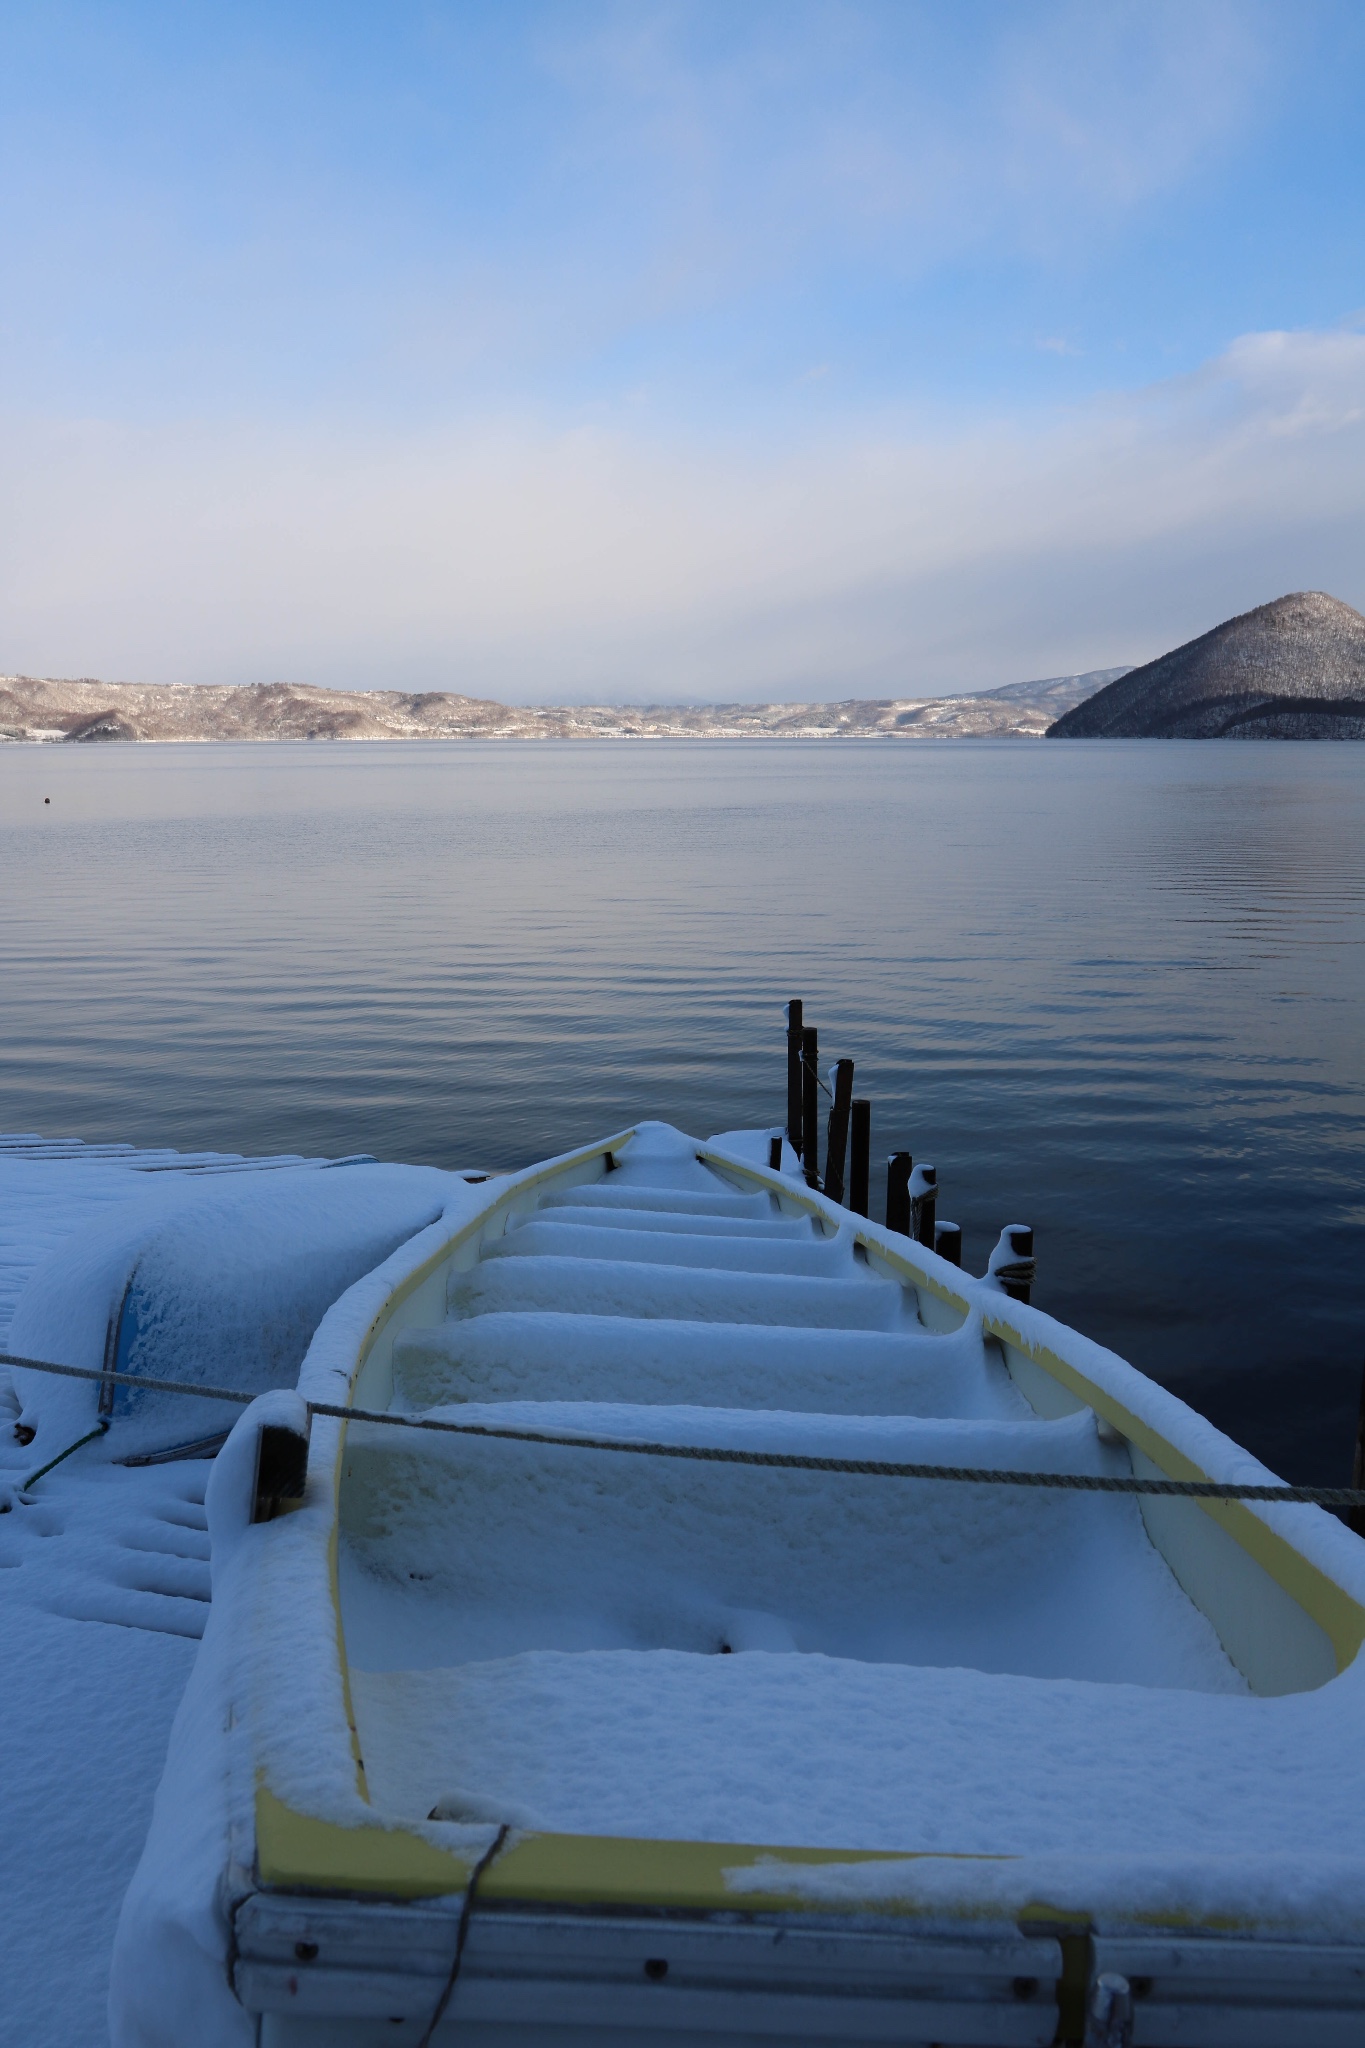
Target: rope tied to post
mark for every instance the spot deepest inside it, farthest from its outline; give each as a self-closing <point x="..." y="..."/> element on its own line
<point x="719" y="1454"/>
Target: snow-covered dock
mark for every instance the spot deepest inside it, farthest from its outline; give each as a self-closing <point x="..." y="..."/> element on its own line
<point x="104" y="1568"/>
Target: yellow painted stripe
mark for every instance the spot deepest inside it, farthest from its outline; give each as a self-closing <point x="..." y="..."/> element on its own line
<point x="1337" y="1614"/>
<point x="613" y="1870"/>
<point x="295" y="1852"/>
<point x="503" y="1193"/>
<point x="1341" y="1618"/>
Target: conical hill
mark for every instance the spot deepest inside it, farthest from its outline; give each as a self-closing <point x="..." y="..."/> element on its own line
<point x="1293" y="670"/>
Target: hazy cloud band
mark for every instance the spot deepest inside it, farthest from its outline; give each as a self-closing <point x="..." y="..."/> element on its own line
<point x="538" y="561"/>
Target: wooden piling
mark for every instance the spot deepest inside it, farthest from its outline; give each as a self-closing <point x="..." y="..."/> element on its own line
<point x="860" y="1155"/>
<point x="1012" y="1262"/>
<point x="898" y="1169"/>
<point x="1022" y="1288"/>
<point x="836" y="1137"/>
<point x="923" y="1201"/>
<point x="281" y="1471"/>
<point x="948" y="1242"/>
<point x="810" y="1106"/>
<point x="1355" y="1517"/>
<point x="794" y="1131"/>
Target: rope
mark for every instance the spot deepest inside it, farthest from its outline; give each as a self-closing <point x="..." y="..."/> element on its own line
<point x="871" y="1468"/>
<point x="129" y="1379"/>
<point x="62" y="1456"/>
<point x="784" y="1461"/>
<point x="809" y="1066"/>
<point x="462" y="1933"/>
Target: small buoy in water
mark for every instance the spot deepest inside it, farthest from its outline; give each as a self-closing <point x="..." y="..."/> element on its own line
<point x="47" y="799"/>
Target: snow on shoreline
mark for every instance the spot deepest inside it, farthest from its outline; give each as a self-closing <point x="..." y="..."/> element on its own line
<point x="104" y="1570"/>
<point x="50" y="711"/>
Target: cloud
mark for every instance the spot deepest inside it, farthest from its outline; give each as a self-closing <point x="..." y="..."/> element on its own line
<point x="918" y="135"/>
<point x="444" y="202"/>
<point x="541" y="562"/>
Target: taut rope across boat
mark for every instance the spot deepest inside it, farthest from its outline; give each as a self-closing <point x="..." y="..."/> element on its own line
<point x="867" y="1468"/>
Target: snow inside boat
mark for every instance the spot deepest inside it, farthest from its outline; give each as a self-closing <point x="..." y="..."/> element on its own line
<point x="553" y="1744"/>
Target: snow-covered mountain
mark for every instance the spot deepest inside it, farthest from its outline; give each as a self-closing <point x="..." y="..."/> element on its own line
<point x="1290" y="670"/>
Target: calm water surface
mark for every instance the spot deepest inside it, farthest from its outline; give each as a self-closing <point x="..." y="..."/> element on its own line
<point x="1111" y="989"/>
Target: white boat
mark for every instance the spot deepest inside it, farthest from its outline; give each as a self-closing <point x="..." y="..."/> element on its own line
<point x="504" y="1741"/>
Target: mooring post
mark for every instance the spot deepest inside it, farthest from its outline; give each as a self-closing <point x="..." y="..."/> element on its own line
<point x="898" y="1168"/>
<point x="923" y="1200"/>
<point x="859" y="1155"/>
<point x="836" y="1138"/>
<point x="281" y="1471"/>
<point x="775" y="1151"/>
<point x="1355" y="1517"/>
<point x="1012" y="1262"/>
<point x="794" y="1133"/>
<point x="948" y="1242"/>
<point x="810" y="1108"/>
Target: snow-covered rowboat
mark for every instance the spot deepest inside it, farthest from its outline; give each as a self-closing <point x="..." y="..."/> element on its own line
<point x="552" y="1744"/>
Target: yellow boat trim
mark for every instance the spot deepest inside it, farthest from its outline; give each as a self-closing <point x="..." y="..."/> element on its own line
<point x="295" y="1852"/>
<point x="505" y="1191"/>
<point x="362" y="1783"/>
<point x="617" y="1870"/>
<point x="1341" y="1619"/>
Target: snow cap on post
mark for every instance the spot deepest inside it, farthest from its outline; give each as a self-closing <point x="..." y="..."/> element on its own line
<point x="253" y="1451"/>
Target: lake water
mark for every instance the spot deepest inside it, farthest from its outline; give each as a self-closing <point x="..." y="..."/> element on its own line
<point x="1111" y="989"/>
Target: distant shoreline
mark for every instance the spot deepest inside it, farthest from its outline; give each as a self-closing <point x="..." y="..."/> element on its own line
<point x="51" y="712"/>
<point x="474" y="739"/>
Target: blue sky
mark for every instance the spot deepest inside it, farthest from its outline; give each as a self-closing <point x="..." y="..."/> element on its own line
<point x="686" y="351"/>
